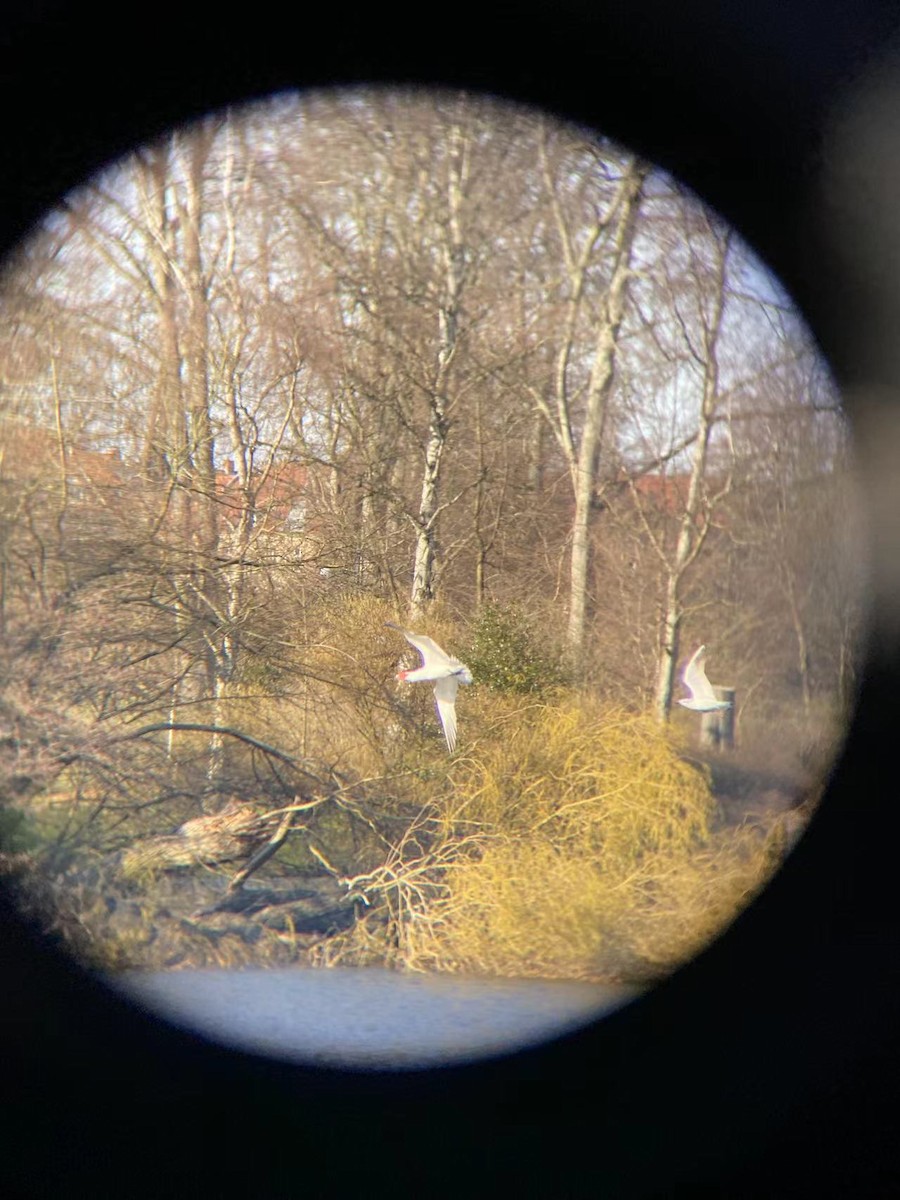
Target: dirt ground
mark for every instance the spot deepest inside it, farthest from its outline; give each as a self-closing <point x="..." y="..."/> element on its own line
<point x="750" y="794"/>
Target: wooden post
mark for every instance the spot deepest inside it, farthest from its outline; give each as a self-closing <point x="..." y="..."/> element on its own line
<point x="717" y="728"/>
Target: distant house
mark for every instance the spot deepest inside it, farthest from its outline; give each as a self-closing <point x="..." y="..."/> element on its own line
<point x="667" y="494"/>
<point x="282" y="507"/>
<point x="51" y="483"/>
<point x="32" y="455"/>
<point x="656" y="493"/>
<point x="278" y="497"/>
<point x="32" y="460"/>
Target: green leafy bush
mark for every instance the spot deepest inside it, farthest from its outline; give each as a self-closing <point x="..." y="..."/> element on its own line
<point x="508" y="656"/>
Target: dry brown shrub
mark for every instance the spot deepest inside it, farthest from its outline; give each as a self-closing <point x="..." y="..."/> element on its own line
<point x="578" y="775"/>
<point x="682" y="906"/>
<point x="525" y="908"/>
<point x="571" y="841"/>
<point x="344" y="682"/>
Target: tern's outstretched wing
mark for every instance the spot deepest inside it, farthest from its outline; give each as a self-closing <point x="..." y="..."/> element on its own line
<point x="445" y="695"/>
<point x="432" y="654"/>
<point x="695" y="677"/>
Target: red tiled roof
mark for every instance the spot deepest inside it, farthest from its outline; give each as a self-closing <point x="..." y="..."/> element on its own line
<point x="28" y="451"/>
<point x="667" y="493"/>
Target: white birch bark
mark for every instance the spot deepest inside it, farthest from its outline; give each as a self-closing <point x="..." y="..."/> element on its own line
<point x="694" y="522"/>
<point x="582" y="451"/>
<point x="584" y="465"/>
<point x="452" y="255"/>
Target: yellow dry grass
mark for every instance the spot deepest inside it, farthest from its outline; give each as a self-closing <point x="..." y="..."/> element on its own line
<point x="570" y="841"/>
<point x="573" y="772"/>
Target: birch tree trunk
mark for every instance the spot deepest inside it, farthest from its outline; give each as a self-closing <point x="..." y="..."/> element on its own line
<point x="583" y="467"/>
<point x="694" y="522"/>
<point x="165" y="443"/>
<point x="581" y="452"/>
<point x="452" y="258"/>
<point x="204" y="579"/>
<point x="196" y="344"/>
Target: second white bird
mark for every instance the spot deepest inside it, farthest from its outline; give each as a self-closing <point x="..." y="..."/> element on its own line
<point x="446" y="672"/>
<point x="702" y="697"/>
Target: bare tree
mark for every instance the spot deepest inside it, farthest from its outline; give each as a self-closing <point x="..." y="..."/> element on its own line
<point x="577" y="404"/>
<point x="695" y="520"/>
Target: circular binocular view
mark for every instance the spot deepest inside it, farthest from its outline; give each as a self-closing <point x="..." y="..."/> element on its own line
<point x="430" y="577"/>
